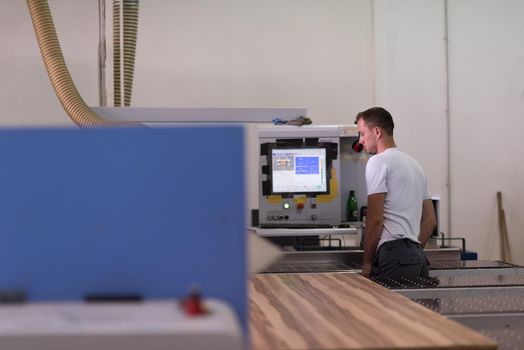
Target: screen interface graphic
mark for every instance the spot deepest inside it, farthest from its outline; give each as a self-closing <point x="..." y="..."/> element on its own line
<point x="299" y="170"/>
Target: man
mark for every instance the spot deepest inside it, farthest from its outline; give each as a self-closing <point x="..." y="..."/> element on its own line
<point x="400" y="216"/>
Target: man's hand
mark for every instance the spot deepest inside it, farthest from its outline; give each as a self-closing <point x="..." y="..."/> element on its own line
<point x="366" y="270"/>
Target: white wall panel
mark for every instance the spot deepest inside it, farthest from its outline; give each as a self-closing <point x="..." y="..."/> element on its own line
<point x="273" y="53"/>
<point x="487" y="109"/>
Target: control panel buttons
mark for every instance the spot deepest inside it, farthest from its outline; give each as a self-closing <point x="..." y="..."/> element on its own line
<point x="286" y="206"/>
<point x="300" y="205"/>
<point x="313" y="217"/>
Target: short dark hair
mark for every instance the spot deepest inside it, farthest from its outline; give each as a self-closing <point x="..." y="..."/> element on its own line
<point x="378" y="117"/>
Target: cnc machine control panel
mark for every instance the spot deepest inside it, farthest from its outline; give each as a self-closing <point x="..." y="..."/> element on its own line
<point x="298" y="180"/>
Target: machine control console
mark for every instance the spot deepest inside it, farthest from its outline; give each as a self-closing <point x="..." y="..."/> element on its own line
<point x="294" y="174"/>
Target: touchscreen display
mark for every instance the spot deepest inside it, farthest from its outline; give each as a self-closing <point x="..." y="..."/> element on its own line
<point x="299" y="170"/>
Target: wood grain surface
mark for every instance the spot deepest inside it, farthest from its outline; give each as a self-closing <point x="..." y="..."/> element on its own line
<point x="346" y="311"/>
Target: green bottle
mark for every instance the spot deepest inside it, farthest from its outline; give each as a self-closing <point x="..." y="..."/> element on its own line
<point x="352" y="207"/>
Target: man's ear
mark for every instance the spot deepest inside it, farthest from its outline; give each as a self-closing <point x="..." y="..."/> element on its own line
<point x="377" y="131"/>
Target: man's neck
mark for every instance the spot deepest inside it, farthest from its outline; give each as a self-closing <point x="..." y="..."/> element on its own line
<point x="385" y="144"/>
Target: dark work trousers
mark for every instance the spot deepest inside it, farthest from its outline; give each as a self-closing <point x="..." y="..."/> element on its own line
<point x="400" y="261"/>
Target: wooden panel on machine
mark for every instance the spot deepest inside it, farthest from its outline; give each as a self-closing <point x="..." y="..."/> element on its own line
<point x="346" y="311"/>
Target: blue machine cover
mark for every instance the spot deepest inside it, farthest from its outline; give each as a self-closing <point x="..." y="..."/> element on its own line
<point x="119" y="211"/>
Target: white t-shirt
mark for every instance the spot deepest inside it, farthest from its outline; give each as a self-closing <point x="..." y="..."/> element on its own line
<point x="402" y="179"/>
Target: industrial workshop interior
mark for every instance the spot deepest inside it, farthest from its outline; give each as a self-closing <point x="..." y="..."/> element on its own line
<point x="201" y="174"/>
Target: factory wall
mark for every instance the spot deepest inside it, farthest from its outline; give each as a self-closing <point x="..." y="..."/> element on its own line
<point x="333" y="57"/>
<point x="486" y="49"/>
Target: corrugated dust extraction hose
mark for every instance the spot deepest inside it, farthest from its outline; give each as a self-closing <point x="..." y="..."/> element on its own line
<point x="125" y="23"/>
<point x="116" y="55"/>
<point x="59" y="75"/>
<point x="130" y="34"/>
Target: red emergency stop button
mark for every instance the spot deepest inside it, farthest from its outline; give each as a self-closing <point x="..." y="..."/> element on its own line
<point x="300" y="205"/>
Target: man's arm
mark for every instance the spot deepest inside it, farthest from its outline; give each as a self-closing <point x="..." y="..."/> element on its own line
<point x="374" y="223"/>
<point x="428" y="221"/>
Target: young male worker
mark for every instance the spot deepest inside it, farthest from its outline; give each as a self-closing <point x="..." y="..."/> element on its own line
<point x="400" y="217"/>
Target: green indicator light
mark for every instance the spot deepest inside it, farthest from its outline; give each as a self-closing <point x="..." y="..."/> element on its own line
<point x="286" y="206"/>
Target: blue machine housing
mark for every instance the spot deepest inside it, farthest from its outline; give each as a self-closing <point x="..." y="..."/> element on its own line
<point x="140" y="211"/>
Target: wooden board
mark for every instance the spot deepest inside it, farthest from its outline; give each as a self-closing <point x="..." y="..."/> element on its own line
<point x="346" y="311"/>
